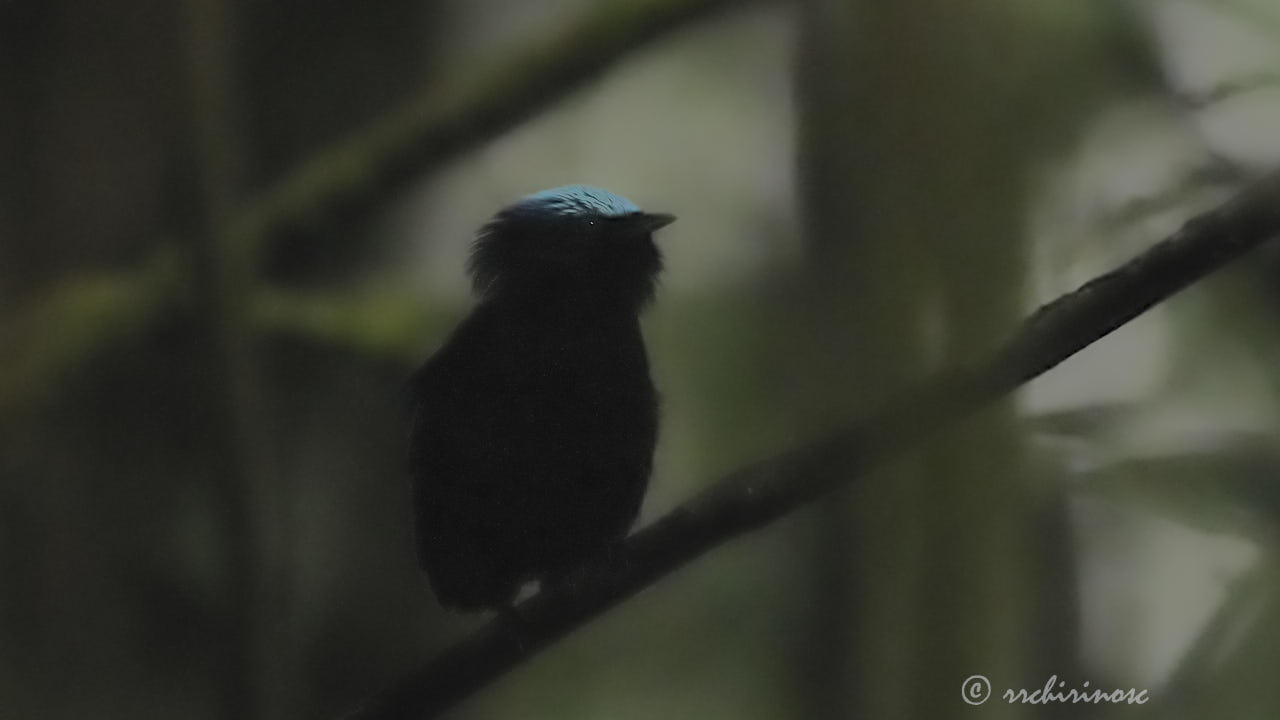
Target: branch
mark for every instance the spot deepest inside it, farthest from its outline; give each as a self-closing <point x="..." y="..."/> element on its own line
<point x="1228" y="89"/>
<point x="765" y="491"/>
<point x="470" y="109"/>
<point x="1213" y="179"/>
<point x="54" y="331"/>
<point x="379" y="324"/>
<point x="60" y="330"/>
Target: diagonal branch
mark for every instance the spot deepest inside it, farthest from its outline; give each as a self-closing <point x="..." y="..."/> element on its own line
<point x="466" y="111"/>
<point x="765" y="491"/>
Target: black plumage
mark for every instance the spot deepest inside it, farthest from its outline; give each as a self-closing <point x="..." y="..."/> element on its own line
<point x="535" y="423"/>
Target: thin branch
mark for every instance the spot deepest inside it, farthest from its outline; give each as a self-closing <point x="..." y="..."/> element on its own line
<point x="470" y="109"/>
<point x="84" y="314"/>
<point x="380" y="324"/>
<point x="765" y="491"/>
<point x="227" y="386"/>
<point x="1213" y="180"/>
<point x="1228" y="89"/>
<point x="1201" y="665"/>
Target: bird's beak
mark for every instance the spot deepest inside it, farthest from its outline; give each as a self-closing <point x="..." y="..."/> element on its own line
<point x="652" y="221"/>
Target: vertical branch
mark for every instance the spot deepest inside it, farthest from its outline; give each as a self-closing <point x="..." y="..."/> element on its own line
<point x="861" y="294"/>
<point x="226" y="380"/>
<point x="913" y="172"/>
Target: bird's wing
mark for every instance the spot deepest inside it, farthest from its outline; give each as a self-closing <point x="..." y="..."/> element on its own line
<point x="441" y="393"/>
<point x="429" y="398"/>
<point x="415" y="399"/>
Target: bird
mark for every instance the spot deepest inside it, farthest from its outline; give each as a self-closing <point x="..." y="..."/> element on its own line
<point x="534" y="424"/>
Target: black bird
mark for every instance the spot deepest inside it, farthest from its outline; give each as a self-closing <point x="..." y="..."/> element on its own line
<point x="534" y="425"/>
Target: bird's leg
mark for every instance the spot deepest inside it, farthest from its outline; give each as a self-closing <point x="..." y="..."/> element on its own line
<point x="512" y="615"/>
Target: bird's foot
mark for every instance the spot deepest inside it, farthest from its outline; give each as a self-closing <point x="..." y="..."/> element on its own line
<point x="514" y="616"/>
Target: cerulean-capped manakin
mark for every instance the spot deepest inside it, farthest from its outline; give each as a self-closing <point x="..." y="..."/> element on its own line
<point x="534" y="425"/>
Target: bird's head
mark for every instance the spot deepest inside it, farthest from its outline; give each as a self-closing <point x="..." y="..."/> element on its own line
<point x="576" y="239"/>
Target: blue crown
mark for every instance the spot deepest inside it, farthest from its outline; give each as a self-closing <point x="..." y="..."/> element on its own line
<point x="573" y="200"/>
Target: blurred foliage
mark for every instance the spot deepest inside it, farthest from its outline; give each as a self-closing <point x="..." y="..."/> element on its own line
<point x="380" y="324"/>
<point x="53" y="331"/>
<point x="954" y="159"/>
